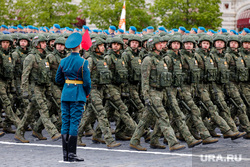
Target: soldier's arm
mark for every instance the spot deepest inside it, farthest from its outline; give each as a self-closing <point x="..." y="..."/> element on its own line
<point x="50" y="58"/>
<point x="27" y="67"/>
<point x="108" y="60"/>
<point x="90" y="60"/>
<point x="145" y="72"/>
<point x="125" y="58"/>
<point x="14" y="57"/>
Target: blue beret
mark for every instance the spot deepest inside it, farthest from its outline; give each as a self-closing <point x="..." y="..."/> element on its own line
<point x="57" y="26"/>
<point x="6" y="32"/>
<point x="70" y="29"/>
<point x="30" y="27"/>
<point x="224" y="30"/>
<point x="95" y="31"/>
<point x="19" y="26"/>
<point x="73" y="40"/>
<point x="112" y="28"/>
<point x="162" y="29"/>
<point x="182" y="29"/>
<point x="195" y="29"/>
<point x="246" y="30"/>
<point x="4" y="26"/>
<point x="133" y="28"/>
<point x="233" y="31"/>
<point x="14" y="27"/>
<point x="144" y="30"/>
<point x="106" y="31"/>
<point x="205" y="31"/>
<point x="127" y="32"/>
<point x="187" y="31"/>
<point x="218" y="30"/>
<point x="202" y="28"/>
<point x="150" y="28"/>
<point x="121" y="30"/>
<point x="85" y="27"/>
<point x="175" y="30"/>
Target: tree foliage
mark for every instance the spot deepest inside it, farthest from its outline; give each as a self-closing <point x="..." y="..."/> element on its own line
<point x="104" y="13"/>
<point x="7" y="12"/>
<point x="187" y="13"/>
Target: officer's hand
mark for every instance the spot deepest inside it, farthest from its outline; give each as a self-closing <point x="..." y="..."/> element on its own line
<point x="148" y="102"/>
<point x="25" y="95"/>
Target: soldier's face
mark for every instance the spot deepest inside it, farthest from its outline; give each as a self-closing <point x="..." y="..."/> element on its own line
<point x="43" y="45"/>
<point x="125" y="41"/>
<point x="116" y="47"/>
<point x="158" y="46"/>
<point x="51" y="43"/>
<point x="189" y="45"/>
<point x="164" y="44"/>
<point x="205" y="44"/>
<point x="5" y="44"/>
<point x="234" y="44"/>
<point x="219" y="44"/>
<point x="101" y="48"/>
<point x="60" y="47"/>
<point x="23" y="43"/>
<point x="175" y="45"/>
<point x="246" y="45"/>
<point x="134" y="44"/>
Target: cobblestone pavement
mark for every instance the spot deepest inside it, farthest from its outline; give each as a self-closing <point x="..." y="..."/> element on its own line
<point x="48" y="153"/>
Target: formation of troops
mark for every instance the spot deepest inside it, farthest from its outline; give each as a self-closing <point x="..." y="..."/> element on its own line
<point x="180" y="85"/>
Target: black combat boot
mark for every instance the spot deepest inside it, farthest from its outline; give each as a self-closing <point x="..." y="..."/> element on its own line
<point x="72" y="142"/>
<point x="65" y="146"/>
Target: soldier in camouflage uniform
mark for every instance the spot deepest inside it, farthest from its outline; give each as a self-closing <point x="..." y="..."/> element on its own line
<point x="208" y="75"/>
<point x="238" y="73"/>
<point x="189" y="89"/>
<point x="6" y="81"/>
<point x="100" y="76"/>
<point x="173" y="64"/>
<point x="154" y="79"/>
<point x="245" y="86"/>
<point x="50" y="43"/>
<point x="119" y="76"/>
<point x="35" y="82"/>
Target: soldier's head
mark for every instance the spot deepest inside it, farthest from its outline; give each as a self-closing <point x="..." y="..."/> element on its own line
<point x="154" y="44"/>
<point x="23" y="41"/>
<point x="233" y="42"/>
<point x="205" y="42"/>
<point x="98" y="46"/>
<point x="164" y="42"/>
<point x="51" y="40"/>
<point x="189" y="43"/>
<point x="39" y="42"/>
<point x="144" y="40"/>
<point x="134" y="42"/>
<point x="175" y="43"/>
<point x="116" y="44"/>
<point x="59" y="44"/>
<point x="220" y="42"/>
<point x="6" y="41"/>
<point x="245" y="42"/>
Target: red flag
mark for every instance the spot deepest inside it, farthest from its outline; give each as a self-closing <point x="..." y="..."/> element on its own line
<point x="86" y="41"/>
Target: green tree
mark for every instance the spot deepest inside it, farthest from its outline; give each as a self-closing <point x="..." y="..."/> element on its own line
<point x="104" y="13"/>
<point x="7" y="12"/>
<point x="46" y="12"/>
<point x="187" y="13"/>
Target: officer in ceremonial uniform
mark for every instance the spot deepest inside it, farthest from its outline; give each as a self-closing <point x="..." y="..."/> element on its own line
<point x="74" y="73"/>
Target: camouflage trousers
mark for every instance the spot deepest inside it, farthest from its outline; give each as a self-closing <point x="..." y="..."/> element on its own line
<point x="244" y="88"/>
<point x="187" y="94"/>
<point x="6" y="103"/>
<point x="232" y="91"/>
<point x="212" y="111"/>
<point x="115" y="99"/>
<point x="178" y="119"/>
<point x="162" y="124"/>
<point x="38" y="103"/>
<point x="95" y="110"/>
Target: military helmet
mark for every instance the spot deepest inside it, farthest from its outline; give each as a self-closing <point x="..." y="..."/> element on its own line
<point x="66" y="35"/>
<point x="6" y="37"/>
<point x="125" y="36"/>
<point x="245" y="38"/>
<point x="233" y="38"/>
<point x="37" y="39"/>
<point x="145" y="38"/>
<point x="175" y="38"/>
<point x="95" y="42"/>
<point x="60" y="40"/>
<point x="220" y="38"/>
<point x="152" y="41"/>
<point x="23" y="36"/>
<point x="165" y="38"/>
<point x="206" y="38"/>
<point x="93" y="36"/>
<point x="14" y="35"/>
<point x="117" y="40"/>
<point x="134" y="38"/>
<point x="52" y="37"/>
<point x="103" y="36"/>
<point x="31" y="35"/>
